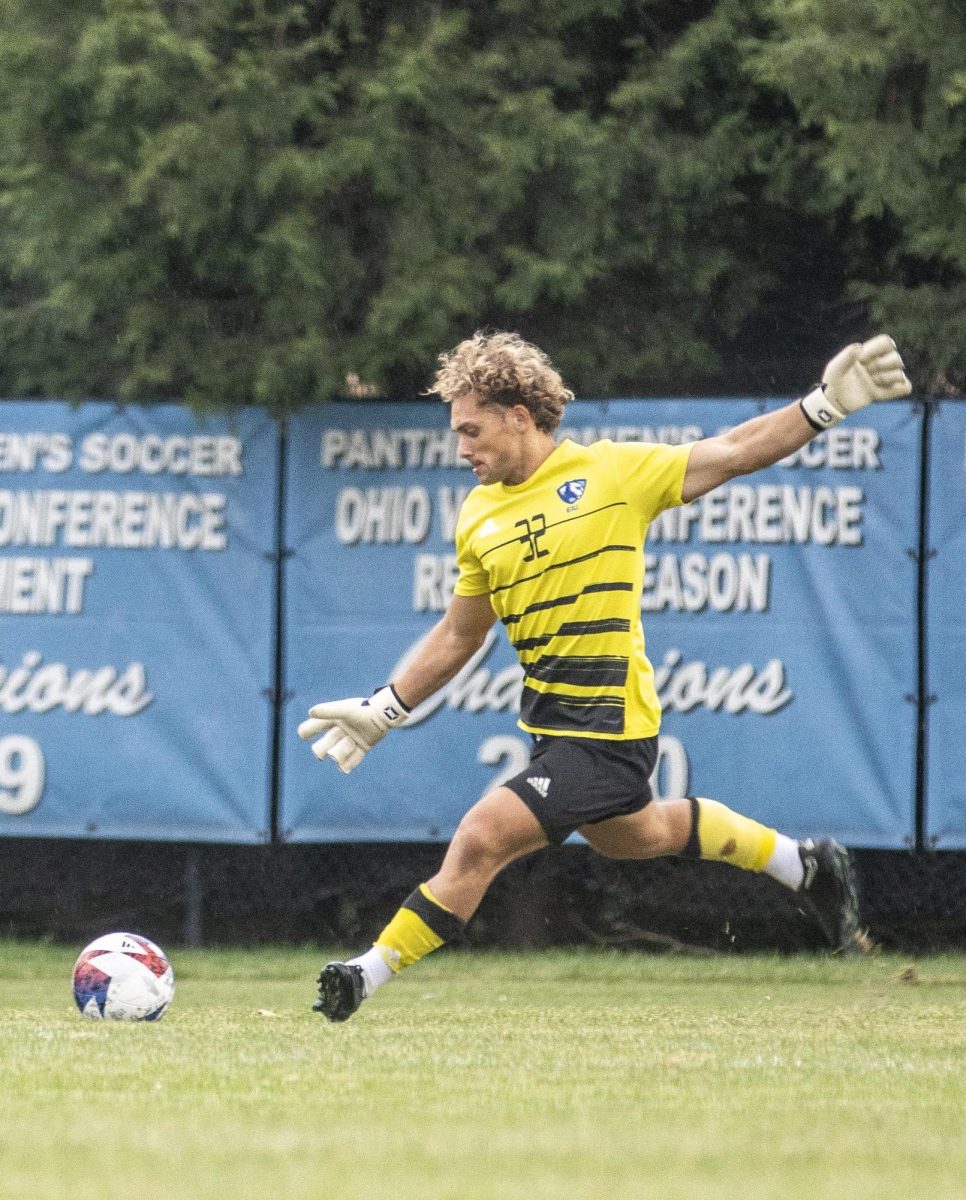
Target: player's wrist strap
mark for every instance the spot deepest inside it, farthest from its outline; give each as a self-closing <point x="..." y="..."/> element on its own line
<point x="818" y="412"/>
<point x="396" y="699"/>
<point x="402" y="703"/>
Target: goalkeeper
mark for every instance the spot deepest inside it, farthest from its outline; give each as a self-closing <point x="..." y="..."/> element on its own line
<point x="550" y="543"/>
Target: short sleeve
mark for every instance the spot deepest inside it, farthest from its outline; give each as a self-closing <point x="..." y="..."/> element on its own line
<point x="652" y="474"/>
<point x="472" y="580"/>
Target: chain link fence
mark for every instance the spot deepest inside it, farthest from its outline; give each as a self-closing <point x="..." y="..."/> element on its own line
<point x="341" y="895"/>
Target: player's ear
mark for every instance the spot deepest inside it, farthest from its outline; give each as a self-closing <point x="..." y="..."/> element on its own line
<point x="521" y="416"/>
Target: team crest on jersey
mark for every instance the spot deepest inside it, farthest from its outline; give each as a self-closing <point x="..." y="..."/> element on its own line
<point x="571" y="491"/>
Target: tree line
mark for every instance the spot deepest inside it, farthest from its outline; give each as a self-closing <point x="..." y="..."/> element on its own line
<point x="277" y="202"/>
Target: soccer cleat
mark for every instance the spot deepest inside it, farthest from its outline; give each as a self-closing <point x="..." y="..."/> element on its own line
<point x="341" y="991"/>
<point x="830" y="890"/>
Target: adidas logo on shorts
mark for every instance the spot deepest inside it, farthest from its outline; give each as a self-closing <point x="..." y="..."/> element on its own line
<point x="539" y="783"/>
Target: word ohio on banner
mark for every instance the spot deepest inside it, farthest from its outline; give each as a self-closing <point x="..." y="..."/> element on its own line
<point x="779" y="613"/>
<point x="136" y="604"/>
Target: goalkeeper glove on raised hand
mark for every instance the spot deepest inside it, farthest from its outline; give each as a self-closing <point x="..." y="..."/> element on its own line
<point x="856" y="376"/>
<point x="352" y="727"/>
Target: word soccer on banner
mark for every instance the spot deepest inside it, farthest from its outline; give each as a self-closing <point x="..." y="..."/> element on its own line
<point x="132" y="655"/>
<point x="779" y="613"/>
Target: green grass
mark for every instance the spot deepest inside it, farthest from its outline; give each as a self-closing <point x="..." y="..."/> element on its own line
<point x="492" y="1077"/>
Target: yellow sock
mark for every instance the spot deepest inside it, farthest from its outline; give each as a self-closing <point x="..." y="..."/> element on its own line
<point x="721" y="835"/>
<point x="420" y="926"/>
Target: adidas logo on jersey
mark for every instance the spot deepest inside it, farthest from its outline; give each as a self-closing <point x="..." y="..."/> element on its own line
<point x="539" y="783"/>
<point x="488" y="527"/>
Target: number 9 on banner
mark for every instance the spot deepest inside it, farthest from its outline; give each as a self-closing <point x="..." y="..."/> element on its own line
<point x="21" y="774"/>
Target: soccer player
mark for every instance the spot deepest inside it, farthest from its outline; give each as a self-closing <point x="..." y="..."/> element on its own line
<point x="550" y="543"/>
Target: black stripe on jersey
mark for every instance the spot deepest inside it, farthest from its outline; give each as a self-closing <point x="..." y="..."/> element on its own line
<point x="558" y="601"/>
<point x="572" y="714"/>
<point x="598" y="670"/>
<point x="574" y="629"/>
<point x="553" y="525"/>
<point x="569" y="563"/>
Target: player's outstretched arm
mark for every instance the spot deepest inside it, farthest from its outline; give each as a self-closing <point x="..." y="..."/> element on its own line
<point x="858" y="375"/>
<point x="346" y="730"/>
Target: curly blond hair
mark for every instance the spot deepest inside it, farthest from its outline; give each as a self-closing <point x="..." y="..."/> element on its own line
<point x="502" y="369"/>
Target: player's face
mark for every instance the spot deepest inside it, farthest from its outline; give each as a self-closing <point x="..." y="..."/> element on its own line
<point x="490" y="440"/>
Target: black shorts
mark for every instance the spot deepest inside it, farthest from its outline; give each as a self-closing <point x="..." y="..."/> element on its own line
<point x="578" y="781"/>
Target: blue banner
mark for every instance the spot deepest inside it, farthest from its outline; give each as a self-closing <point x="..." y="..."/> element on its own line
<point x="779" y="612"/>
<point x="945" y="824"/>
<point x="136" y="609"/>
<point x="373" y="495"/>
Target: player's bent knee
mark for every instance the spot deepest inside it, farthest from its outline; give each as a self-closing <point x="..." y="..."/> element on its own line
<point x="478" y="842"/>
<point x="487" y="841"/>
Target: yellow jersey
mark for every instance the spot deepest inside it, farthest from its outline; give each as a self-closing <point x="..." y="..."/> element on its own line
<point x="561" y="558"/>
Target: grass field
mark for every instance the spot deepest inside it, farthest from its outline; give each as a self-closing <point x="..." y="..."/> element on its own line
<point x="484" y="1077"/>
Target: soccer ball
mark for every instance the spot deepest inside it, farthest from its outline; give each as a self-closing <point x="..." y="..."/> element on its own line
<point x="123" y="977"/>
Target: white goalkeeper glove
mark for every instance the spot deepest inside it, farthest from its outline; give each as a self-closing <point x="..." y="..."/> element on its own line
<point x="857" y="375"/>
<point x="352" y="727"/>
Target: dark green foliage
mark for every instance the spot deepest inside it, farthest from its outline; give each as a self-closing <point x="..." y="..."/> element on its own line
<point x="233" y="202"/>
<point x="879" y="91"/>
